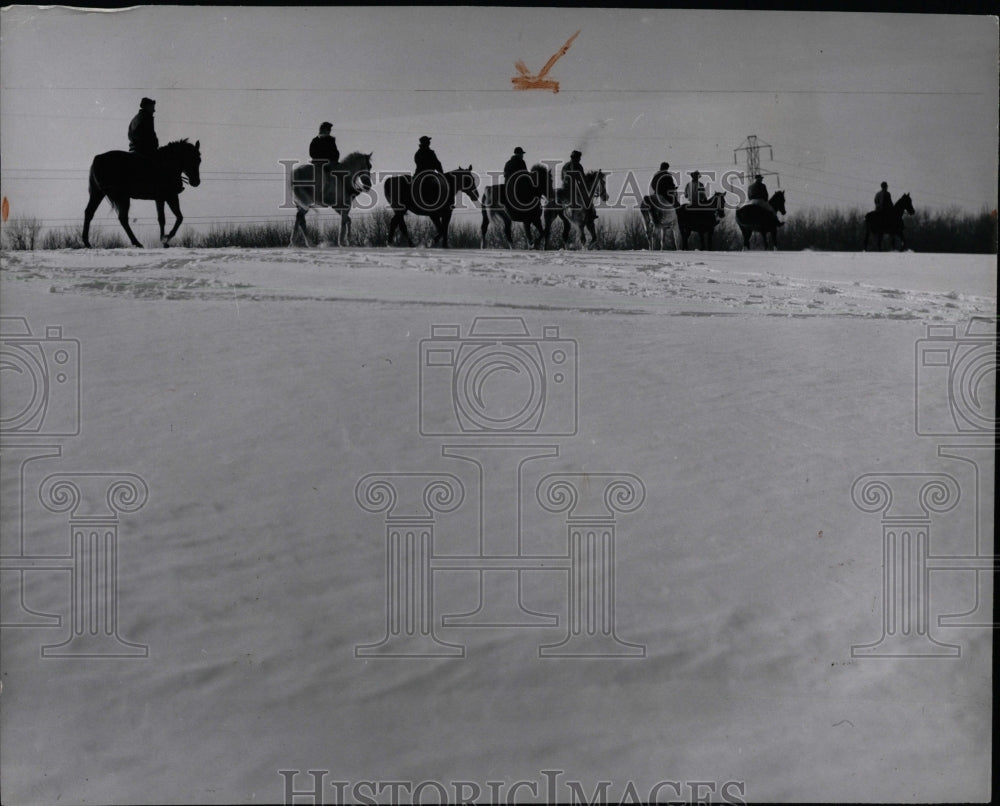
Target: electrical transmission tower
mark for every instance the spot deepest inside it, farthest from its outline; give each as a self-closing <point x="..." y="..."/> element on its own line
<point x="753" y="146"/>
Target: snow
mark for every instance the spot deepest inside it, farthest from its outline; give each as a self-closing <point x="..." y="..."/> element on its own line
<point x="252" y="389"/>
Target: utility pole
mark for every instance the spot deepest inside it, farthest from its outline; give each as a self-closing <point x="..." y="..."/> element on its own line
<point x="752" y="146"/>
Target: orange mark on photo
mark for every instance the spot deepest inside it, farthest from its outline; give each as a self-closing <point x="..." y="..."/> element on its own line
<point x="4" y="209"/>
<point x="526" y="81"/>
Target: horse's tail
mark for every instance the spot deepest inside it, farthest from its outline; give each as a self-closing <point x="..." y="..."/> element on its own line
<point x="94" y="184"/>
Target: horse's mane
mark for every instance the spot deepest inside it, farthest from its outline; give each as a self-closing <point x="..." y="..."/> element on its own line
<point x="175" y="144"/>
<point x="355" y="156"/>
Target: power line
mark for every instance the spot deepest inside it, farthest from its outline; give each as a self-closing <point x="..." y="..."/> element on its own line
<point x="473" y="90"/>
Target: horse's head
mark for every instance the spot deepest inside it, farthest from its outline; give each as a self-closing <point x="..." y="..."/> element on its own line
<point x="464" y="180"/>
<point x="905" y="204"/>
<point x="358" y="168"/>
<point x="719" y="203"/>
<point x="542" y="179"/>
<point x="598" y="185"/>
<point x="188" y="159"/>
<point x="777" y="201"/>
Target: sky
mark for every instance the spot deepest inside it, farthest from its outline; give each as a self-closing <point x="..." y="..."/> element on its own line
<point x="844" y="100"/>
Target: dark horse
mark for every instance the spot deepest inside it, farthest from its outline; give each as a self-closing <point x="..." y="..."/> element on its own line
<point x="753" y="217"/>
<point x="122" y="176"/>
<point x="579" y="211"/>
<point x="336" y="188"/>
<point x="701" y="219"/>
<point x="437" y="203"/>
<point x="519" y="200"/>
<point x="888" y="222"/>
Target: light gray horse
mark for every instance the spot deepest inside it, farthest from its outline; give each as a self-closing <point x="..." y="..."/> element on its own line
<point x="334" y="188"/>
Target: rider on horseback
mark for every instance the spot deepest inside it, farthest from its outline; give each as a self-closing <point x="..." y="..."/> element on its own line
<point x="426" y="162"/>
<point x="142" y="139"/>
<point x="324" y="155"/>
<point x="425" y="159"/>
<point x="883" y="200"/>
<point x="757" y="190"/>
<point x="572" y="175"/>
<point x="663" y="187"/>
<point x="695" y="191"/>
<point x="757" y="194"/>
<point x="513" y="168"/>
<point x="323" y="148"/>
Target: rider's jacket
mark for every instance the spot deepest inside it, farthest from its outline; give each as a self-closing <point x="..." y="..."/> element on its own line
<point x="512" y="166"/>
<point x="883" y="201"/>
<point x="142" y="137"/>
<point x="324" y="147"/>
<point x="663" y="185"/>
<point x="426" y="160"/>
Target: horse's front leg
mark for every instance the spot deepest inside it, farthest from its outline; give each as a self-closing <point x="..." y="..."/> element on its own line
<point x="161" y="218"/>
<point x="484" y="228"/>
<point x="175" y="208"/>
<point x="344" y="234"/>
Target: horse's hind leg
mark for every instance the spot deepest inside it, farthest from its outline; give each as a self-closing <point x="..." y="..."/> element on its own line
<point x="96" y="197"/>
<point x="300" y="226"/>
<point x="344" y="233"/>
<point x="484" y="228"/>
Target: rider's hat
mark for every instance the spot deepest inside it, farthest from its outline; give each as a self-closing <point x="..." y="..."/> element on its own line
<point x="519" y="150"/>
<point x="326" y="126"/>
<point x="885" y="185"/>
<point x="424" y="140"/>
<point x="147" y="103"/>
<point x="664" y="166"/>
<point x="695" y="173"/>
<point x="575" y="154"/>
<point x="757" y="176"/>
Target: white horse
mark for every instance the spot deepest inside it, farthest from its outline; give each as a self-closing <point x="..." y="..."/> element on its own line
<point x="336" y="188"/>
<point x="660" y="219"/>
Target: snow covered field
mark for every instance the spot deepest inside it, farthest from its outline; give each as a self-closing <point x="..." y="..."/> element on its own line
<point x="251" y="390"/>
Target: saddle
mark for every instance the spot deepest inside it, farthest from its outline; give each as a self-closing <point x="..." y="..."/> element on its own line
<point x="429" y="189"/>
<point x="148" y="171"/>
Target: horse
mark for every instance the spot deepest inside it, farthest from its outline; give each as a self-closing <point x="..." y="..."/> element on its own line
<point x="660" y="218"/>
<point x="580" y="212"/>
<point x="438" y="205"/>
<point x="519" y="199"/>
<point x="122" y="176"/>
<point x="753" y="217"/>
<point x="702" y="219"/>
<point x="888" y="222"/>
<point x="337" y="188"/>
